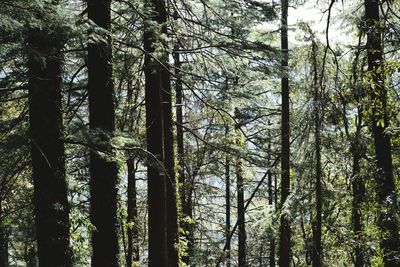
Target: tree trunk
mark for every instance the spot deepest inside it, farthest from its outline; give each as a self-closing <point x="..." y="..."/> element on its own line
<point x="271" y="234"/>
<point x="317" y="221"/>
<point x="228" y="206"/>
<point x="184" y="185"/>
<point x="385" y="186"/>
<point x="3" y="239"/>
<point x="156" y="179"/>
<point x="357" y="181"/>
<point x="103" y="171"/>
<point x="3" y="247"/>
<point x="30" y="253"/>
<point x="284" y="244"/>
<point x="169" y="162"/>
<point x="241" y="214"/>
<point x="47" y="149"/>
<point x="358" y="195"/>
<point x="132" y="218"/>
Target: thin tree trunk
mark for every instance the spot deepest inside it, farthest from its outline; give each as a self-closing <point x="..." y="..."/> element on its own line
<point x="47" y="149"/>
<point x="271" y="234"/>
<point x="3" y="247"/>
<point x="227" y="206"/>
<point x="169" y="153"/>
<point x="156" y="181"/>
<point x="385" y="186"/>
<point x="317" y="222"/>
<point x="285" y="232"/>
<point x="30" y="256"/>
<point x="169" y="163"/>
<point x="132" y="218"/>
<point x="3" y="239"/>
<point x="241" y="214"/>
<point x="358" y="195"/>
<point x="184" y="185"/>
<point x="103" y="172"/>
<point x="358" y="186"/>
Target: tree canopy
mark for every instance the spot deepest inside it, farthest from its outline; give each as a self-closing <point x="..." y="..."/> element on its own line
<point x="199" y="133"/>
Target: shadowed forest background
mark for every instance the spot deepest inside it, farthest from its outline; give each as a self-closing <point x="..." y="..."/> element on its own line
<point x="170" y="133"/>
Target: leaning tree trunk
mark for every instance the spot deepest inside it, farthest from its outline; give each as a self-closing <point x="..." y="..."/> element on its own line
<point x="385" y="185"/>
<point x="132" y="254"/>
<point x="284" y="244"/>
<point x="156" y="181"/>
<point x="47" y="149"/>
<point x="103" y="171"/>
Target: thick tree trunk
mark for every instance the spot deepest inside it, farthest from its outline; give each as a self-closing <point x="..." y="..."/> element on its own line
<point x="156" y="180"/>
<point x="241" y="214"/>
<point x="132" y="254"/>
<point x="284" y="244"/>
<point x="385" y="186"/>
<point x="103" y="171"/>
<point x="47" y="149"/>
<point x="317" y="221"/>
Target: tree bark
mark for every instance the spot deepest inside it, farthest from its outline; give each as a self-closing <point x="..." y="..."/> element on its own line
<point x="227" y="206"/>
<point x="241" y="214"/>
<point x="47" y="149"/>
<point x="103" y="171"/>
<point x="156" y="185"/>
<point x="132" y="218"/>
<point x="4" y="253"/>
<point x="358" y="195"/>
<point x="385" y="186"/>
<point x="169" y="163"/>
<point x="271" y="234"/>
<point x="184" y="184"/>
<point x="317" y="221"/>
<point x="285" y="232"/>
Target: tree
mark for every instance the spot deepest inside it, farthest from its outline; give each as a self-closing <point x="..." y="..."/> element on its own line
<point x="185" y="187"/>
<point x="317" y="221"/>
<point x="171" y="183"/>
<point x="169" y="152"/>
<point x="326" y="140"/>
<point x="227" y="205"/>
<point x="103" y="170"/>
<point x="385" y="186"/>
<point x="4" y="253"/>
<point x="132" y="254"/>
<point x="284" y="244"/>
<point x="47" y="147"/>
<point x="240" y="208"/>
<point x="156" y="176"/>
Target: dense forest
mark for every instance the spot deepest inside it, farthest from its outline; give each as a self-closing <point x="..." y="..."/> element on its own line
<point x="171" y="133"/>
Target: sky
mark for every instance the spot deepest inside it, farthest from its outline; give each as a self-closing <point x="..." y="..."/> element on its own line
<point x="314" y="14"/>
